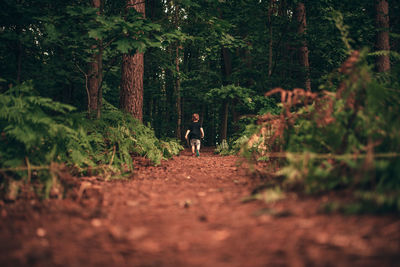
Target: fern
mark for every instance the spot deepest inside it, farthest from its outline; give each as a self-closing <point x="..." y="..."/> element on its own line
<point x="347" y="139"/>
<point x="38" y="131"/>
<point x="27" y="128"/>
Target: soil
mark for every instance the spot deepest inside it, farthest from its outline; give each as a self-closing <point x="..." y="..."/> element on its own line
<point x="189" y="212"/>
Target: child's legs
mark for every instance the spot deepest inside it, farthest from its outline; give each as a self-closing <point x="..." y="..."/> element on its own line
<point x="195" y="143"/>
<point x="198" y="146"/>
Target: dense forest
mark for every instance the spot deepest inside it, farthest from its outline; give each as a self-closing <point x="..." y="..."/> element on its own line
<point x="91" y="83"/>
<point x="299" y="103"/>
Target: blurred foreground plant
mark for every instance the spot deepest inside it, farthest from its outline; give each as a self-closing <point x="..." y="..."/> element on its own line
<point x="343" y="138"/>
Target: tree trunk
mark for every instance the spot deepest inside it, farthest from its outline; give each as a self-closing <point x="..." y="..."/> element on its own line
<point x="213" y="130"/>
<point x="19" y="52"/>
<point x="93" y="85"/>
<point x="100" y="78"/>
<point x="270" y="38"/>
<point x="227" y="63"/>
<point x="170" y="98"/>
<point x="19" y="62"/>
<point x="282" y="51"/>
<point x="95" y="74"/>
<point x="131" y="95"/>
<point x="202" y="113"/>
<point x="227" y="67"/>
<point x="224" y="126"/>
<point x="178" y="97"/>
<point x="303" y="51"/>
<point x="178" y="82"/>
<point x="382" y="37"/>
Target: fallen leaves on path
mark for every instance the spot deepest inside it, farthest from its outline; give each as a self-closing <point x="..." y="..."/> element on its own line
<point x="189" y="212"/>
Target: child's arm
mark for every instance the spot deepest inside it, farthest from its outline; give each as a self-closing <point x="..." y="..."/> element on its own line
<point x="187" y="133"/>
<point x="202" y="132"/>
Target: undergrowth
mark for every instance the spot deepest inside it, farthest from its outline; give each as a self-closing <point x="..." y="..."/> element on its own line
<point x="37" y="132"/>
<point x="344" y="138"/>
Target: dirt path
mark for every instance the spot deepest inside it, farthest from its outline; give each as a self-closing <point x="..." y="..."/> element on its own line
<point x="188" y="212"/>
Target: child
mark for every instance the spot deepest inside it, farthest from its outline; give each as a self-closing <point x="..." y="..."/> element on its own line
<point x="196" y="133"/>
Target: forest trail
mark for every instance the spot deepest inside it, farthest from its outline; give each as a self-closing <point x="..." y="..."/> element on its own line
<point x="188" y="212"/>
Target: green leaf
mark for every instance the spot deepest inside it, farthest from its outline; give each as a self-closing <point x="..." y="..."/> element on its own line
<point x="123" y="45"/>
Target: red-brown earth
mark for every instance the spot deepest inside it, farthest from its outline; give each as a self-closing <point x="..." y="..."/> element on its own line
<point x="189" y="212"/>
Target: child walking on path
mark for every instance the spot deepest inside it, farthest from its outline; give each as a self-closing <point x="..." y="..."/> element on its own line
<point x="195" y="133"/>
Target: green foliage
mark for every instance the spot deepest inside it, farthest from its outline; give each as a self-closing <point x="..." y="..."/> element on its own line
<point x="236" y="144"/>
<point x="117" y="136"/>
<point x="342" y="140"/>
<point x="36" y="131"/>
<point x="29" y="127"/>
<point x="170" y="147"/>
<point x="230" y="92"/>
<point x="245" y="125"/>
<point x="223" y="148"/>
<point x="337" y="17"/>
<point x="366" y="202"/>
<point x="270" y="195"/>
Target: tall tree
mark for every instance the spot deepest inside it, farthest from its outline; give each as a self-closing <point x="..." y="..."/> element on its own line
<point x="271" y="2"/>
<point x="382" y="37"/>
<point x="226" y="68"/>
<point x="227" y="71"/>
<point x="131" y="95"/>
<point x="303" y="51"/>
<point x="95" y="73"/>
<point x="19" y="56"/>
<point x="178" y="81"/>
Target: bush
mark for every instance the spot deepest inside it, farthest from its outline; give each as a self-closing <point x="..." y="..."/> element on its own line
<point x="37" y="132"/>
<point x="345" y="137"/>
